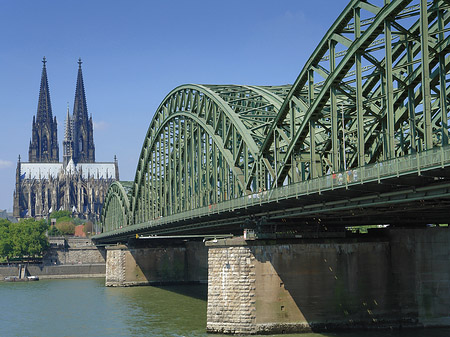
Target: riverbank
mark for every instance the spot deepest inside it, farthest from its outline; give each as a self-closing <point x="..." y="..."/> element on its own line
<point x="67" y="258"/>
<point x="57" y="271"/>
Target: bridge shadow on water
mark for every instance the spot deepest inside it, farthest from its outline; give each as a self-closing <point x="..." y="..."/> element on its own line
<point x="193" y="290"/>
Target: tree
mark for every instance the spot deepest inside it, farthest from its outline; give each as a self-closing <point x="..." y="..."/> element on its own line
<point x="25" y="238"/>
<point x="59" y="214"/>
<point x="64" y="219"/>
<point x="66" y="227"/>
<point x="5" y="239"/>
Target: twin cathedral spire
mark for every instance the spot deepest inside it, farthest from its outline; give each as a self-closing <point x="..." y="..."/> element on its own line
<point x="78" y="144"/>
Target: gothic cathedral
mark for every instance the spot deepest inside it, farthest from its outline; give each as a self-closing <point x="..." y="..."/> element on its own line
<point x="78" y="184"/>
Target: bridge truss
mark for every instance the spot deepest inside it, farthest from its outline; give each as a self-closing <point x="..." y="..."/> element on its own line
<point x="374" y="90"/>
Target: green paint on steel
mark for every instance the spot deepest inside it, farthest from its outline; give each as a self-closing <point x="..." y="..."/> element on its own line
<point x="375" y="89"/>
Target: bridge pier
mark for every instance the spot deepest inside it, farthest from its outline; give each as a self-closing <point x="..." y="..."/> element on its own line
<point x="400" y="278"/>
<point x="154" y="262"/>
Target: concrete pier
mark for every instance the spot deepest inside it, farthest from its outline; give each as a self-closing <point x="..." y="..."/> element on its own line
<point x="398" y="279"/>
<point x="156" y="262"/>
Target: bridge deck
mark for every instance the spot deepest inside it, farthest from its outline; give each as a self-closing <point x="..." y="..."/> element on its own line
<point x="357" y="197"/>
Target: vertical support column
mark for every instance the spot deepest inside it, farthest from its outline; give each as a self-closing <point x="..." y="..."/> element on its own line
<point x="208" y="169"/>
<point x="442" y="82"/>
<point x="312" y="128"/>
<point x="231" y="290"/>
<point x="200" y="171"/>
<point x="293" y="176"/>
<point x="184" y="168"/>
<point x="178" y="170"/>
<point x="170" y="162"/>
<point x="425" y="57"/>
<point x="389" y="85"/>
<point x="192" y="196"/>
<point x="334" y="113"/>
<point x="411" y="105"/>
<point x="115" y="266"/>
<point x="359" y="97"/>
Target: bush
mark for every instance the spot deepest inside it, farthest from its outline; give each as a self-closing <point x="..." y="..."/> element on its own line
<point x="88" y="227"/>
<point x="66" y="227"/>
<point x="54" y="231"/>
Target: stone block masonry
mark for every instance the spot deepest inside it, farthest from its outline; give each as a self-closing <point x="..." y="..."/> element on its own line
<point x="231" y="288"/>
<point x="72" y="251"/>
<point x="158" y="264"/>
<point x="66" y="258"/>
<point x="400" y="279"/>
<point x="57" y="272"/>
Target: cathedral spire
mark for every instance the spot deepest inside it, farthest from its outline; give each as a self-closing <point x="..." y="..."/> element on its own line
<point x="44" y="110"/>
<point x="80" y="105"/>
<point x="82" y="128"/>
<point x="44" y="145"/>
<point x="68" y="139"/>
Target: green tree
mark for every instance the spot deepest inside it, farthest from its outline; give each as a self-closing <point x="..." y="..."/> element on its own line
<point x="27" y="238"/>
<point x="64" y="219"/>
<point x="5" y="239"/>
<point x="59" y="214"/>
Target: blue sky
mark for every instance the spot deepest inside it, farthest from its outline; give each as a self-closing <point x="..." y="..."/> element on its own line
<point x="134" y="53"/>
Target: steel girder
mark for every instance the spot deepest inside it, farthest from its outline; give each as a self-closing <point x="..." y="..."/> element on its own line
<point x="366" y="91"/>
<point x="202" y="148"/>
<point x="374" y="89"/>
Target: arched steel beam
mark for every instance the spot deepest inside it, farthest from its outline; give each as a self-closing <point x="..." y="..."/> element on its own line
<point x="229" y="116"/>
<point x="320" y="113"/>
<point x="116" y="207"/>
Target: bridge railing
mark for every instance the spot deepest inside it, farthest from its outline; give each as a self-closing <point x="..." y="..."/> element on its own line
<point x="414" y="163"/>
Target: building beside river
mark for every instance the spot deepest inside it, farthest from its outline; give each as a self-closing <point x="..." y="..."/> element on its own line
<point x="78" y="183"/>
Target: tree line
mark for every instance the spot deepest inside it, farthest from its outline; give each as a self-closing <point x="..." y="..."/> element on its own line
<point x="28" y="238"/>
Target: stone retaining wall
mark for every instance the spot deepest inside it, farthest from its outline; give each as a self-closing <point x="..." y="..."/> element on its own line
<point x="61" y="271"/>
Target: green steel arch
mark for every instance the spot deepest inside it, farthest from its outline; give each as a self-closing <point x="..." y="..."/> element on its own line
<point x="202" y="148"/>
<point x="376" y="87"/>
<point x="116" y="208"/>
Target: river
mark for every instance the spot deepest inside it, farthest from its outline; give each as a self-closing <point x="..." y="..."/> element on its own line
<point x="85" y="307"/>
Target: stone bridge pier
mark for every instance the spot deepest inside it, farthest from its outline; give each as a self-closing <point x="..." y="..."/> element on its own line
<point x="154" y="262"/>
<point x="395" y="278"/>
<point x="390" y="278"/>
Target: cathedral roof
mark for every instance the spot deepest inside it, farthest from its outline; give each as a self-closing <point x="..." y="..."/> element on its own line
<point x="47" y="170"/>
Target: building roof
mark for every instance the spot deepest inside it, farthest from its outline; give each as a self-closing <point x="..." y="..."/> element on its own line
<point x="47" y="170"/>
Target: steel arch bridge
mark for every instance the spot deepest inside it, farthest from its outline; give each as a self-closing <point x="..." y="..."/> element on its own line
<point x="375" y="90"/>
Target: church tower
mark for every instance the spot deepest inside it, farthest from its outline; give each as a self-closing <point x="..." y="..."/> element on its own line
<point x="83" y="135"/>
<point x="77" y="184"/>
<point x="44" y="137"/>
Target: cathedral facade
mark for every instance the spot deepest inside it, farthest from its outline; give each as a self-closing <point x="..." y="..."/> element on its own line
<point x="78" y="183"/>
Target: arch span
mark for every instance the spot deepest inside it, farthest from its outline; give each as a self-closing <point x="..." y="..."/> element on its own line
<point x="116" y="211"/>
<point x="202" y="148"/>
<point x="375" y="88"/>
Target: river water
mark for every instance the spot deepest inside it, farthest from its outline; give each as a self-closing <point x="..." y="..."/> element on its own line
<point x="85" y="307"/>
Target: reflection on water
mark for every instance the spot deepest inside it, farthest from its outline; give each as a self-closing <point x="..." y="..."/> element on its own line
<point x="87" y="308"/>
